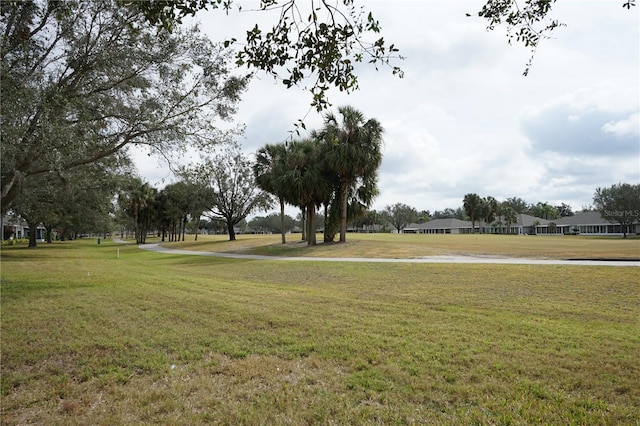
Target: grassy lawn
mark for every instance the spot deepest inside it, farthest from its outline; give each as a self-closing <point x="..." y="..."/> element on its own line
<point x="148" y="338"/>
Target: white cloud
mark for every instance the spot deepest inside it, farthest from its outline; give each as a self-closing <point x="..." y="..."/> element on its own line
<point x="629" y="126"/>
<point x="587" y="121"/>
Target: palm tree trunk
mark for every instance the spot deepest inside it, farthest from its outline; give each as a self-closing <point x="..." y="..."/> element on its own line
<point x="303" y="216"/>
<point x="311" y="225"/>
<point x="343" y="211"/>
<point x="328" y="232"/>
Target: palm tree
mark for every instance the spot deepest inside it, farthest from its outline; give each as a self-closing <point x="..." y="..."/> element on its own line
<point x="490" y="208"/>
<point x="359" y="198"/>
<point x="306" y="181"/>
<point x="510" y="216"/>
<point x="353" y="152"/>
<point x="472" y="204"/>
<point x="140" y="206"/>
<point x="269" y="169"/>
<point x="362" y="197"/>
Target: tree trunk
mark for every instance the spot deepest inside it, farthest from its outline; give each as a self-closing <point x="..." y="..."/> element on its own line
<point x="49" y="232"/>
<point x="33" y="227"/>
<point x="232" y="231"/>
<point x="311" y="222"/>
<point x="284" y="238"/>
<point x="303" y="215"/>
<point x="136" y="227"/>
<point x="328" y="232"/>
<point x="142" y="231"/>
<point x="343" y="212"/>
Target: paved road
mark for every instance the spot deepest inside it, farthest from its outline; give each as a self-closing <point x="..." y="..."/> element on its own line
<point x="426" y="259"/>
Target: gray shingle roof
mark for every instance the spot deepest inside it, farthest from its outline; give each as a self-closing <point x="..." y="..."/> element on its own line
<point x="524" y="220"/>
<point x="586" y="218"/>
<point x="528" y="220"/>
<point x="448" y="223"/>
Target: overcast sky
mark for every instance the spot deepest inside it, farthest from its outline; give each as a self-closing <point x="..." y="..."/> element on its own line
<point x="464" y="118"/>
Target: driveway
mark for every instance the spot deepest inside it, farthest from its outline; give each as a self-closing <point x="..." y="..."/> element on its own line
<point x="426" y="259"/>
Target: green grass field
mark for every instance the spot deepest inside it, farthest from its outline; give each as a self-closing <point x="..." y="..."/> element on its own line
<point x="88" y="337"/>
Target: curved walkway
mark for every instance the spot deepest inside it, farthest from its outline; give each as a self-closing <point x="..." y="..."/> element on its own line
<point x="426" y="259"/>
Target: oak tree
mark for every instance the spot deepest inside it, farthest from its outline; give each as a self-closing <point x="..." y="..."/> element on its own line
<point x="400" y="215"/>
<point x="620" y="203"/>
<point x="84" y="80"/>
<point x="230" y="190"/>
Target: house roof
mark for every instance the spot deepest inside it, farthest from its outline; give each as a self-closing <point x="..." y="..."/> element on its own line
<point x="524" y="220"/>
<point x="528" y="220"/>
<point x="451" y="223"/>
<point x="447" y="223"/>
<point x="586" y="218"/>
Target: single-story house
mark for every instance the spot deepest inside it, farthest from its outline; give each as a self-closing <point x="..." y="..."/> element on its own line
<point x="528" y="225"/>
<point x="15" y="228"/>
<point x="588" y="223"/>
<point x="525" y="224"/>
<point x="440" y="226"/>
<point x="591" y="223"/>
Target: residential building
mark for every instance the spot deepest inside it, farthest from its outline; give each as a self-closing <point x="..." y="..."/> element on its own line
<point x="14" y="227"/>
<point x="592" y="223"/>
<point x="589" y="223"/>
<point x="440" y="226"/>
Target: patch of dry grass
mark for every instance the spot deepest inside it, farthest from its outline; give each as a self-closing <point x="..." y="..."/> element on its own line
<point x="158" y="338"/>
<point x="412" y="245"/>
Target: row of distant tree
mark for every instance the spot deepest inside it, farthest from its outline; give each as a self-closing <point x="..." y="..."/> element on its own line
<point x="105" y="197"/>
<point x="476" y="208"/>
<point x="218" y="196"/>
<point x="399" y="215"/>
<point x="335" y="169"/>
<point x="619" y="203"/>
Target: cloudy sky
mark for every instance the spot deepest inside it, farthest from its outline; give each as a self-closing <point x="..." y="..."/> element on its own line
<point x="464" y="118"/>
